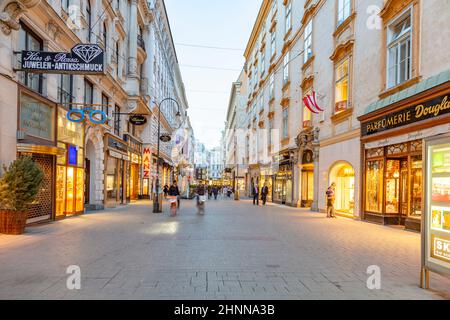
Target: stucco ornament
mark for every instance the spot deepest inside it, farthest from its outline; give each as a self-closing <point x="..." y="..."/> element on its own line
<point x="11" y="13"/>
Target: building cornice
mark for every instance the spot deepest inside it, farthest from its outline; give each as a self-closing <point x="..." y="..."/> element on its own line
<point x="262" y="15"/>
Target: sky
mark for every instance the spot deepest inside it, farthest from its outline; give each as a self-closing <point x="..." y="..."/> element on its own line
<point x="210" y="23"/>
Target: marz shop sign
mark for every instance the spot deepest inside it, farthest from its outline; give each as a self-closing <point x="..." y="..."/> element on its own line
<point x="430" y="109"/>
<point x="83" y="59"/>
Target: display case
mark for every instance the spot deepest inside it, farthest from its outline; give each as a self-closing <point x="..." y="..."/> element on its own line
<point x="436" y="231"/>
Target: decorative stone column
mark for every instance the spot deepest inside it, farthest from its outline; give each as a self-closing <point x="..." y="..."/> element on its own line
<point x="316" y="151"/>
<point x="132" y="74"/>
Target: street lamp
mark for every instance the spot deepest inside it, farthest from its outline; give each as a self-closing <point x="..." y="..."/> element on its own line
<point x="157" y="200"/>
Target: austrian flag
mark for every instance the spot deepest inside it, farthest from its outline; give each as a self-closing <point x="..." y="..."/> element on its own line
<point x="311" y="103"/>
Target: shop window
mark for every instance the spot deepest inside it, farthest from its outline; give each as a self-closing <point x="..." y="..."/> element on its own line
<point x="111" y="179"/>
<point x="308" y="41"/>
<point x="376" y="152"/>
<point x="400" y="50"/>
<point x="416" y="185"/>
<point x="392" y="186"/>
<point x="397" y="149"/>
<point x="344" y="177"/>
<point x="28" y="40"/>
<point x="342" y="86"/>
<point x="344" y="10"/>
<point x="374" y="186"/>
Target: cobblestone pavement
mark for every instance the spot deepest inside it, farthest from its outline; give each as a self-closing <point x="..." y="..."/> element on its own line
<point x="235" y="251"/>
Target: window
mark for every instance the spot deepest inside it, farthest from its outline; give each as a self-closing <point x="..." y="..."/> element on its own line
<point x="307" y="117"/>
<point x="308" y="41"/>
<point x="117" y="120"/>
<point x="88" y="93"/>
<point x="399" y="50"/>
<point x="105" y="35"/>
<point x="272" y="44"/>
<point x="30" y="41"/>
<point x="286" y="68"/>
<point x="285" y="123"/>
<point x="272" y="86"/>
<point x="65" y="5"/>
<point x="65" y="90"/>
<point x="288" y="21"/>
<point x="89" y="19"/>
<point x="269" y="140"/>
<point x="274" y="7"/>
<point x="263" y="62"/>
<point x="117" y="58"/>
<point x="344" y="9"/>
<point x="105" y="105"/>
<point x="261" y="102"/>
<point x="342" y="86"/>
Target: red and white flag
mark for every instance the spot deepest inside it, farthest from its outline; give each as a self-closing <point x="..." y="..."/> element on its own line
<point x="311" y="103"/>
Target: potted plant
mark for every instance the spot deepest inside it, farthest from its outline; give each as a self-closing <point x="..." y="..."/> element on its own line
<point x="19" y="186"/>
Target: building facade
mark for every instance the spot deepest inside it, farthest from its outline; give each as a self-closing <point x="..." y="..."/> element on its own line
<point x="318" y="50"/>
<point x="86" y="165"/>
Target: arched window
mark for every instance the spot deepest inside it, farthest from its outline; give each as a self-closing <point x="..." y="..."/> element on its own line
<point x="89" y="19"/>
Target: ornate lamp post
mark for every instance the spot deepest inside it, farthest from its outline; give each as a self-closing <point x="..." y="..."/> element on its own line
<point x="156" y="201"/>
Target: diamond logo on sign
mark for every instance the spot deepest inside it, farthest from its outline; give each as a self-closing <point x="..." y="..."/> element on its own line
<point x="87" y="52"/>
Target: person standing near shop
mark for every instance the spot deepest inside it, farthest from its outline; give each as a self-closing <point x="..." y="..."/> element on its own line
<point x="255" y="195"/>
<point x="166" y="191"/>
<point x="264" y="193"/>
<point x="331" y="196"/>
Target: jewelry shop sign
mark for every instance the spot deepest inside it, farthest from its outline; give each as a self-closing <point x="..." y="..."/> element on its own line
<point x="83" y="59"/>
<point x="417" y="112"/>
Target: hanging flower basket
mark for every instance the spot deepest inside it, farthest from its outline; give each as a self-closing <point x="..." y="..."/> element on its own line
<point x="12" y="222"/>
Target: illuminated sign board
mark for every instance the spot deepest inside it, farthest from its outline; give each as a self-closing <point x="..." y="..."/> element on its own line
<point x="83" y="59"/>
<point x="146" y="160"/>
<point x="417" y="112"/>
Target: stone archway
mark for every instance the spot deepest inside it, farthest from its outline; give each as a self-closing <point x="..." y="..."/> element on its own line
<point x="94" y="181"/>
<point x="343" y="174"/>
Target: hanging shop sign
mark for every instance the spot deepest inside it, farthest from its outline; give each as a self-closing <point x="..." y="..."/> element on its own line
<point x="36" y="118"/>
<point x="138" y="120"/>
<point x="430" y="109"/>
<point x="436" y="218"/>
<point x="146" y="159"/>
<point x="165" y="138"/>
<point x="83" y="59"/>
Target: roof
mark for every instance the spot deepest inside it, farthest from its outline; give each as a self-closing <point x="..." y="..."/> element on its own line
<point x="422" y="86"/>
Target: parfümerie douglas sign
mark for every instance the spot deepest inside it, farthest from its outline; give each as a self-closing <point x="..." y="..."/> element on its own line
<point x="83" y="59"/>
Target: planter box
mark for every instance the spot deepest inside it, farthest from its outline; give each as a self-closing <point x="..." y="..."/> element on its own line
<point x="12" y="222"/>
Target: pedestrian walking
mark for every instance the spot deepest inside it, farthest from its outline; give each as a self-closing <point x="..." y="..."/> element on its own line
<point x="215" y="191"/>
<point x="174" y="191"/>
<point x="166" y="191"/>
<point x="255" y="195"/>
<point x="331" y="196"/>
<point x="209" y="192"/>
<point x="264" y="193"/>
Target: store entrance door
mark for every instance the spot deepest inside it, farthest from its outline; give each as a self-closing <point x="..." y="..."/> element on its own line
<point x="397" y="189"/>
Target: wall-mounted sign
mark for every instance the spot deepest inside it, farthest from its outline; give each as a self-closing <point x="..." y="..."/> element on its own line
<point x="417" y="112"/>
<point x="113" y="143"/>
<point x="83" y="59"/>
<point x="36" y="118"/>
<point x="95" y="116"/>
<point x="138" y="120"/>
<point x="165" y="138"/>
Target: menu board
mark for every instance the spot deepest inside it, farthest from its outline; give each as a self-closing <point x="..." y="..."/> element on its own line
<point x="437" y="211"/>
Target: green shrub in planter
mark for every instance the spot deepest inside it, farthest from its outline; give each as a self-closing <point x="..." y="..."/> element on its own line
<point x="19" y="186"/>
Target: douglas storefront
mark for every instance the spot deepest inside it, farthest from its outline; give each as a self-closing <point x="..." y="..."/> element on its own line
<point x="393" y="133"/>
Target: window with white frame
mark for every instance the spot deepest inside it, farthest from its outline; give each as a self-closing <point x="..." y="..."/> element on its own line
<point x="286" y="68"/>
<point x="342" y="86"/>
<point x="261" y="102"/>
<point x="344" y="10"/>
<point x="308" y="41"/>
<point x="399" y="55"/>
<point x="263" y="62"/>
<point x="272" y="86"/>
<point x="272" y="43"/>
<point x="288" y="17"/>
<point x="274" y="7"/>
<point x="285" y="123"/>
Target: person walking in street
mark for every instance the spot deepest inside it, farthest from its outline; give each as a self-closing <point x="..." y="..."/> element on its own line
<point x="200" y="191"/>
<point x="331" y="196"/>
<point x="174" y="191"/>
<point x="209" y="192"/>
<point x="255" y="195"/>
<point x="215" y="191"/>
<point x="264" y="193"/>
<point x="166" y="191"/>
